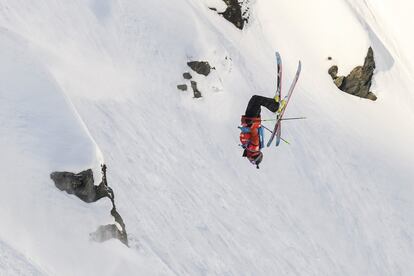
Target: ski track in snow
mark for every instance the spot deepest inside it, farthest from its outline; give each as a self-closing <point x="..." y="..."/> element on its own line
<point x="87" y="81"/>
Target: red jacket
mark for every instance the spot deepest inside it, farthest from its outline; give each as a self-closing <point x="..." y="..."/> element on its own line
<point x="249" y="137"/>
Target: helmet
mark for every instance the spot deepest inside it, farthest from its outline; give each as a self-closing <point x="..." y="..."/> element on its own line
<point x="256" y="159"/>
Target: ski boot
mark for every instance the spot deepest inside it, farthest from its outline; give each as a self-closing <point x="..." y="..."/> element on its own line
<point x="282" y="103"/>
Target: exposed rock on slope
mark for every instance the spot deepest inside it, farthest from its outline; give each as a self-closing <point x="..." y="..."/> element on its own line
<point x="197" y="93"/>
<point x="201" y="67"/>
<point x="82" y="185"/>
<point x="182" y="87"/>
<point x="236" y="12"/>
<point x="187" y="76"/>
<point x="233" y="13"/>
<point x="358" y="82"/>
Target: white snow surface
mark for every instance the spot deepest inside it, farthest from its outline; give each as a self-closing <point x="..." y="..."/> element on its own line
<point x="84" y="82"/>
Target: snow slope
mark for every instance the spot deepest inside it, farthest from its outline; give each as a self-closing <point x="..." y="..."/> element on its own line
<point x="84" y="82"/>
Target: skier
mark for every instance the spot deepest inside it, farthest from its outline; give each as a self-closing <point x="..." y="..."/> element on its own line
<point x="251" y="136"/>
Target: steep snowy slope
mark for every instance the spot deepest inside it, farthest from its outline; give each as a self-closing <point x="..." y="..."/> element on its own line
<point x="78" y="75"/>
<point x="41" y="132"/>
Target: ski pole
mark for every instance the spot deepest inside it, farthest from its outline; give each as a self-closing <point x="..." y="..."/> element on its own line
<point x="267" y="128"/>
<point x="295" y="118"/>
<point x="284" y="119"/>
<point x="287" y="142"/>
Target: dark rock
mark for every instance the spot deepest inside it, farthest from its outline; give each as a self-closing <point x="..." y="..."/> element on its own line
<point x="182" y="87"/>
<point x="339" y="81"/>
<point x="197" y="93"/>
<point x="371" y="96"/>
<point x="187" y="76"/>
<point x="358" y="82"/>
<point x="121" y="234"/>
<point x="333" y="71"/>
<point x="81" y="185"/>
<point x="107" y="232"/>
<point x="201" y="67"/>
<point x="233" y="13"/>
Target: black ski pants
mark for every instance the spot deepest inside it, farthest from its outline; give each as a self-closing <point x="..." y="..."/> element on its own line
<point x="256" y="102"/>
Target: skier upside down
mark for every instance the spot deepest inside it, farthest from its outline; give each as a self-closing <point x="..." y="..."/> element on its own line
<point x="251" y="136"/>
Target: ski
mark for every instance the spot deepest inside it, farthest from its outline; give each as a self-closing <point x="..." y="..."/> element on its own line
<point x="278" y="88"/>
<point x="279" y="75"/>
<point x="279" y="81"/>
<point x="278" y="133"/>
<point x="277" y="130"/>
<point x="280" y="116"/>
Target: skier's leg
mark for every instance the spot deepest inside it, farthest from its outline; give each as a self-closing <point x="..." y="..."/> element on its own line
<point x="270" y="103"/>
<point x="253" y="108"/>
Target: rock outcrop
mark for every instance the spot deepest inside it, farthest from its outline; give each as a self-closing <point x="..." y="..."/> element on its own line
<point x="358" y="82"/>
<point x="82" y="185"/>
<point x="106" y="232"/>
<point x="187" y="76"/>
<point x="182" y="87"/>
<point x="233" y="13"/>
<point x="197" y="93"/>
<point x="236" y="12"/>
<point x="201" y="67"/>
